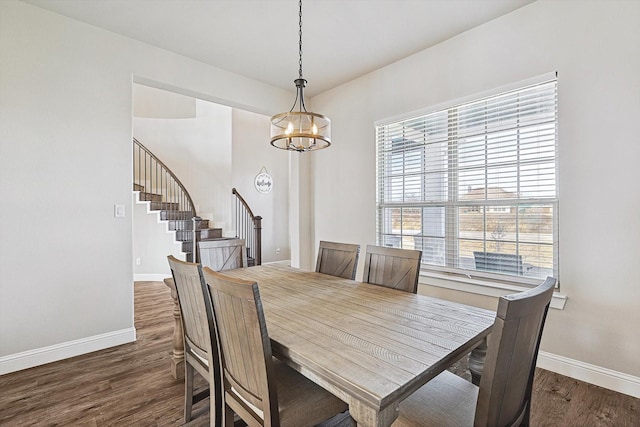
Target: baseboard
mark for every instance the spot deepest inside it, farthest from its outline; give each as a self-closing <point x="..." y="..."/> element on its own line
<point x="150" y="277"/>
<point x="65" y="350"/>
<point x="603" y="377"/>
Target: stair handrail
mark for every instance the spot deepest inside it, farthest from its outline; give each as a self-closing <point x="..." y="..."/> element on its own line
<point x="189" y="205"/>
<point x="243" y="215"/>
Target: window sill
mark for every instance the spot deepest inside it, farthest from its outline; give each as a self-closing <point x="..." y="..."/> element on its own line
<point x="481" y="287"/>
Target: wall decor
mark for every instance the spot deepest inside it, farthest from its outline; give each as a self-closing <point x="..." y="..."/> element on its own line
<point x="263" y="181"/>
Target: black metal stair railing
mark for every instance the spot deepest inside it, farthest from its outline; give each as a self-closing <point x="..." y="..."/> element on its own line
<point x="158" y="185"/>
<point x="248" y="227"/>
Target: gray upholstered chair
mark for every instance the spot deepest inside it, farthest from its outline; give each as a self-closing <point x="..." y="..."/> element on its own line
<point x="504" y="395"/>
<point x="338" y="259"/>
<point x="261" y="390"/>
<point x="223" y="254"/>
<point x="200" y="343"/>
<point x="392" y="267"/>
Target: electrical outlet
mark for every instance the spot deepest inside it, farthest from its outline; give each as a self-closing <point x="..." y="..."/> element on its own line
<point x="138" y="261"/>
<point x="278" y="251"/>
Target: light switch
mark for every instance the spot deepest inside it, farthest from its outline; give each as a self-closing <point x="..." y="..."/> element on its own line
<point x="119" y="211"/>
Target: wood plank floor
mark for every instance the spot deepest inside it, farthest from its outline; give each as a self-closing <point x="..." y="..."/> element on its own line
<point x="130" y="385"/>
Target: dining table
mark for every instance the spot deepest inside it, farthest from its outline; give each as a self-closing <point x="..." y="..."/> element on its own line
<point x="369" y="345"/>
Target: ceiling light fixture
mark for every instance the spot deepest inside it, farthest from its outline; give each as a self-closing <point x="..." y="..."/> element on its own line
<point x="298" y="129"/>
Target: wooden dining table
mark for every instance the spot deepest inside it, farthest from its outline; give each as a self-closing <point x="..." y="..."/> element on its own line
<point x="369" y="345"/>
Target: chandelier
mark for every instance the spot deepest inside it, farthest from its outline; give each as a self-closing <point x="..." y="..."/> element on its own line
<point x="298" y="129"/>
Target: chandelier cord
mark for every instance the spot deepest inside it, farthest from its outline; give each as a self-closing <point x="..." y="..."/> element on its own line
<point x="300" y="37"/>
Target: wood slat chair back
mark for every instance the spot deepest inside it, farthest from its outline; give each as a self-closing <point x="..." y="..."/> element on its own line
<point x="223" y="254"/>
<point x="504" y="396"/>
<point x="246" y="349"/>
<point x="338" y="259"/>
<point x="250" y="375"/>
<point x="200" y="343"/>
<point x="392" y="267"/>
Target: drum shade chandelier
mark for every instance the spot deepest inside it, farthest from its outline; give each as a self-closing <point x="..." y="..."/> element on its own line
<point x="298" y="129"/>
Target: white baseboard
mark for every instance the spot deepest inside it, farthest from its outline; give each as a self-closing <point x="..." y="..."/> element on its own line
<point x="40" y="356"/>
<point x="603" y="377"/>
<point x="150" y="277"/>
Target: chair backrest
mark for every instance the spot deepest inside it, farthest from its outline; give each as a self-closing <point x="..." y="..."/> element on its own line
<point x="392" y="267"/>
<point x="504" y="398"/>
<point x="245" y="348"/>
<point x="196" y="312"/>
<point x="195" y="306"/>
<point x="338" y="259"/>
<point x="223" y="254"/>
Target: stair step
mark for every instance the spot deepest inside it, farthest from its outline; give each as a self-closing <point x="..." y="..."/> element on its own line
<point x="169" y="215"/>
<point x="150" y="197"/>
<point x="161" y="206"/>
<point x="181" y="222"/>
<point x="187" y="224"/>
<point x="203" y="234"/>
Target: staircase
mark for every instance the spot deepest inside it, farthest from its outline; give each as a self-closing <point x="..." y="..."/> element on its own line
<point x="165" y="193"/>
<point x="179" y="221"/>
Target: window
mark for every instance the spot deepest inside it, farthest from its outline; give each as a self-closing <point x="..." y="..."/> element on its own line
<point x="474" y="186"/>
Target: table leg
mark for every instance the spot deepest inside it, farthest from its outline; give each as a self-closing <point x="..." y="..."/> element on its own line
<point x="476" y="361"/>
<point x="366" y="416"/>
<point x="177" y="356"/>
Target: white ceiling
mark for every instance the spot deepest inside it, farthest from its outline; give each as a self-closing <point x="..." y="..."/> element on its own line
<point x="342" y="39"/>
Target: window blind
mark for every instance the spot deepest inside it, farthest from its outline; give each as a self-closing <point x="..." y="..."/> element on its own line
<point x="474" y="185"/>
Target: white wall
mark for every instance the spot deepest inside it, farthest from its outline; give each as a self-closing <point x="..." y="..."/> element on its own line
<point x="154" y="103"/>
<point x="252" y="152"/>
<point x="595" y="48"/>
<point x="65" y="159"/>
<point x="152" y="242"/>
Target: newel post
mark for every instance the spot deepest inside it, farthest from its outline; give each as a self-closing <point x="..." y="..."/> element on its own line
<point x="257" y="225"/>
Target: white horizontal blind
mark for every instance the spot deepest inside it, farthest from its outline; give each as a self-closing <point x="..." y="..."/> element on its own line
<point x="474" y="186"/>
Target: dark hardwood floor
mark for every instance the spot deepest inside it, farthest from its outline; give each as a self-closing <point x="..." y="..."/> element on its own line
<point x="130" y="385"/>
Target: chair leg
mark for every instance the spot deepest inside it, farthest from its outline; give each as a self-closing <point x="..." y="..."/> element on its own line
<point x="188" y="391"/>
<point x="229" y="420"/>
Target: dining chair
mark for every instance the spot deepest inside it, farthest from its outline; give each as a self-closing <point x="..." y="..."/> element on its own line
<point x="392" y="267"/>
<point x="261" y="390"/>
<point x="223" y="254"/>
<point x="338" y="259"/>
<point x="504" y="395"/>
<point x="200" y="343"/>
